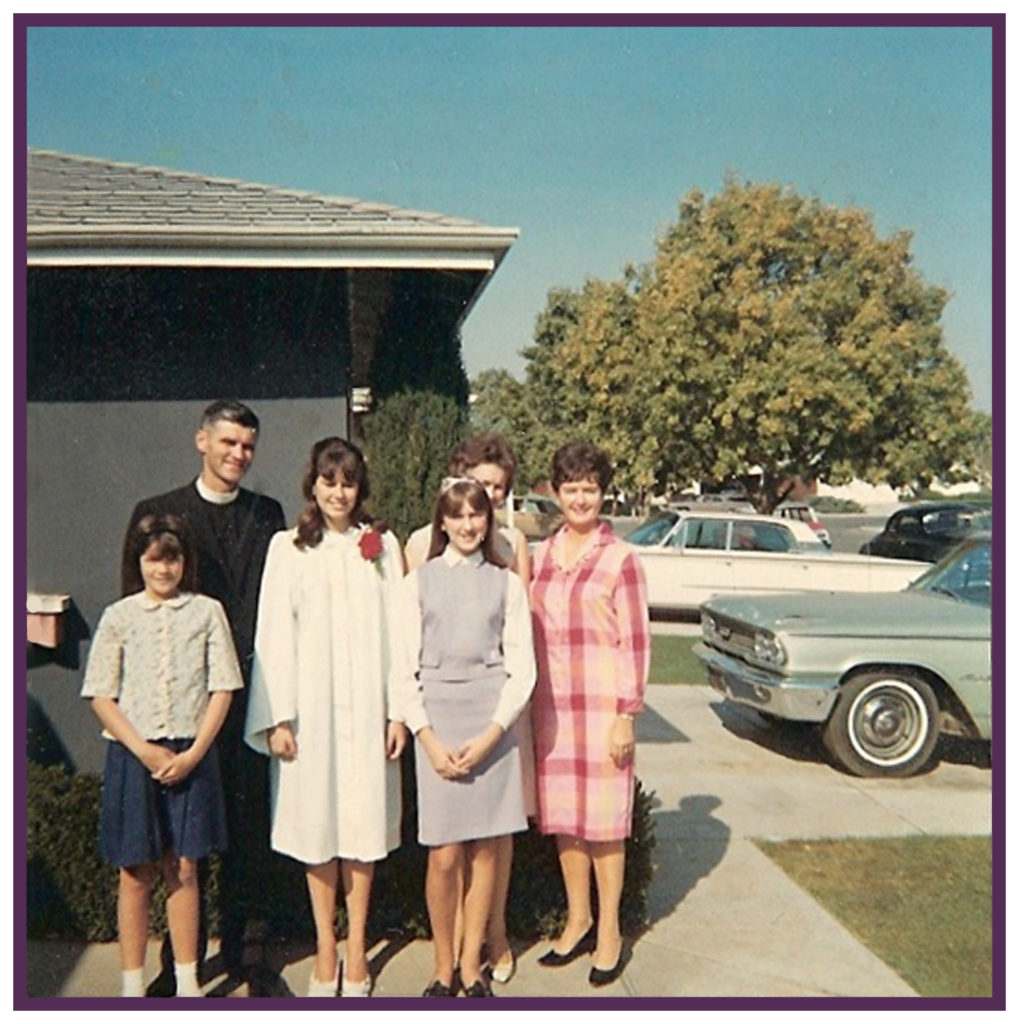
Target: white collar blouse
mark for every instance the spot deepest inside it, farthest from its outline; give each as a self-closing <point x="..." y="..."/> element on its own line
<point x="160" y="660"/>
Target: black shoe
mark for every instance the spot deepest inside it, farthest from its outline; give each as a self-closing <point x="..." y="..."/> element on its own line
<point x="478" y="990"/>
<point x="598" y="977"/>
<point x="585" y="944"/>
<point x="436" y="988"/>
<point x="163" y="984"/>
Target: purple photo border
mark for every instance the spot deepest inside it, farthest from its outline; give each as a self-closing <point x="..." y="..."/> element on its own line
<point x="996" y="22"/>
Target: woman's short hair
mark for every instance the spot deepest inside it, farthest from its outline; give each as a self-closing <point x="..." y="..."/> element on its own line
<point x="484" y="448"/>
<point x="581" y="460"/>
<point x="454" y="493"/>
<point x="162" y="536"/>
<point x="332" y="458"/>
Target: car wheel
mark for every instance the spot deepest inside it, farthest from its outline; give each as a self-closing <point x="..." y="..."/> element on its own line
<point x="883" y="723"/>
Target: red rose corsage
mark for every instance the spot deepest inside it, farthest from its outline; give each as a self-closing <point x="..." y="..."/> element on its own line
<point x="371" y="546"/>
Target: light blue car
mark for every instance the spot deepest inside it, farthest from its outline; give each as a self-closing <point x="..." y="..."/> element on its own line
<point x="882" y="674"/>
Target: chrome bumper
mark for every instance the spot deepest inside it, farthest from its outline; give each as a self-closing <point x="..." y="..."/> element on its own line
<point x="797" y="700"/>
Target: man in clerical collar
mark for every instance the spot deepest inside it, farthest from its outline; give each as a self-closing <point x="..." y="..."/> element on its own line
<point x="231" y="528"/>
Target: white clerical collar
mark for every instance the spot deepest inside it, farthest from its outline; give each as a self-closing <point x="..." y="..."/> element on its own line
<point x="216" y="497"/>
<point x="452" y="557"/>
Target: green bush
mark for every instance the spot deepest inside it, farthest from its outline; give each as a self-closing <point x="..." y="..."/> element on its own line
<point x="973" y="497"/>
<point x="72" y="893"/>
<point x="70" y="890"/>
<point x="407" y="442"/>
<point x="826" y="503"/>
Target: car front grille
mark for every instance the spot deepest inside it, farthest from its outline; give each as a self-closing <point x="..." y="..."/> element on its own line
<point x="731" y="635"/>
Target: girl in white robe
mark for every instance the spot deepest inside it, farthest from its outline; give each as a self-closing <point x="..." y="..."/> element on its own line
<point x="319" y="705"/>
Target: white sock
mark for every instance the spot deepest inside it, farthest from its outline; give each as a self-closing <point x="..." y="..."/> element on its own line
<point x="132" y="983"/>
<point x="187" y="979"/>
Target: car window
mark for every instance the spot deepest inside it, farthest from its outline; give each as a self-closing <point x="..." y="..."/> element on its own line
<point x="947" y="520"/>
<point x="652" y="532"/>
<point x="967" y="576"/>
<point x="906" y="525"/>
<point x="701" y="534"/>
<point x="761" y="537"/>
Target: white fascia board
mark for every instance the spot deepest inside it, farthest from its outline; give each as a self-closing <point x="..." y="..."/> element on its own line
<point x="425" y="249"/>
<point x="336" y="258"/>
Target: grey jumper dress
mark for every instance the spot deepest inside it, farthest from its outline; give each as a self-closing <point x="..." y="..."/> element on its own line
<point x="462" y="675"/>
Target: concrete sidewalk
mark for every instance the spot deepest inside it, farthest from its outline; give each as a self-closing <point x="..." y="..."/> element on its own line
<point x="725" y="921"/>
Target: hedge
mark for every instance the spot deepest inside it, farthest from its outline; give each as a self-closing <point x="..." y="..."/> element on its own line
<point x="72" y="893"/>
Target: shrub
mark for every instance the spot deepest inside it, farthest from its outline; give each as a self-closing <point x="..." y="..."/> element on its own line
<point x="928" y="494"/>
<point x="826" y="503"/>
<point x="70" y="890"/>
<point x="72" y="893"/>
<point x="407" y="441"/>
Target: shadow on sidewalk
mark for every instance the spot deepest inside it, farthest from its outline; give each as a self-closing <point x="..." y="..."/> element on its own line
<point x="653" y="728"/>
<point x="49" y="965"/>
<point x="690" y="843"/>
<point x="801" y="741"/>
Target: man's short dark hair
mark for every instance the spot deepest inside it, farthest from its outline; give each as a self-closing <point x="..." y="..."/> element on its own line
<point x="231" y="411"/>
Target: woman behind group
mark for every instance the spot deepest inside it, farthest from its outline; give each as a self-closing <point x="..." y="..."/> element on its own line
<point x="319" y="704"/>
<point x="466" y="666"/>
<point x="592" y="640"/>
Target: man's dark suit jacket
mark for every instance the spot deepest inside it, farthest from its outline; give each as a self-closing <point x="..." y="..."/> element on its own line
<point x="232" y="577"/>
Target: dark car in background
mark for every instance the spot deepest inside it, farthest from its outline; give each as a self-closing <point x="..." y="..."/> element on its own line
<point x="927" y="531"/>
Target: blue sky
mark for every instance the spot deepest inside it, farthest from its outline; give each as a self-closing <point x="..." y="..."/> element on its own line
<point x="583" y="138"/>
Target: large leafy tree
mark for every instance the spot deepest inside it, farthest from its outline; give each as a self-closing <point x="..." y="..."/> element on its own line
<point x="771" y="336"/>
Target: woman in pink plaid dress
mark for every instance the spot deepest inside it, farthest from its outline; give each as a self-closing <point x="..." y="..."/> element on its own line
<point x="592" y="640"/>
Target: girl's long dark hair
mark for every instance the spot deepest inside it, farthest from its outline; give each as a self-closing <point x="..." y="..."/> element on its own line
<point x="450" y="501"/>
<point x="332" y="458"/>
<point x="168" y="537"/>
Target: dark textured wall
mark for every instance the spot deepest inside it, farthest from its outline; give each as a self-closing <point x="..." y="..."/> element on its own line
<point x="163" y="333"/>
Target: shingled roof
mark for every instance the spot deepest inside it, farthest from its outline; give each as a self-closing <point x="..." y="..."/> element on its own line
<point x="85" y="210"/>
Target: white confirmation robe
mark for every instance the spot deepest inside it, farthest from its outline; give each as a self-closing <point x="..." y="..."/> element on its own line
<point x="322" y="664"/>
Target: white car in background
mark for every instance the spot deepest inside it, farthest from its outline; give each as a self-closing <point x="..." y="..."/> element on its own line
<point x="805" y="514"/>
<point x="691" y="556"/>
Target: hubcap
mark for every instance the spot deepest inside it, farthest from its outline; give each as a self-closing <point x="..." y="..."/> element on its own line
<point x="888" y="723"/>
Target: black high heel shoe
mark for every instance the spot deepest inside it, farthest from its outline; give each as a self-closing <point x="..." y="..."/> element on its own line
<point x="585" y="944"/>
<point x="598" y="977"/>
<point x="478" y="990"/>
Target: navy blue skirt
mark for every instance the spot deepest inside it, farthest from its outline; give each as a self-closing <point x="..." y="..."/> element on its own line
<point x="141" y="820"/>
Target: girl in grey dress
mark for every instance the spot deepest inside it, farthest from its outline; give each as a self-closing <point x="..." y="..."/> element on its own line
<point x="467" y="669"/>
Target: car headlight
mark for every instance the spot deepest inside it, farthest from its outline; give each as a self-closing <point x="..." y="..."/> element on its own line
<point x="709" y="628"/>
<point x="768" y="649"/>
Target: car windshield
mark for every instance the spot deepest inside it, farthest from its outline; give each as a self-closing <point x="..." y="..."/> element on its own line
<point x="964" y="574"/>
<point x="653" y="531"/>
<point x="949" y="520"/>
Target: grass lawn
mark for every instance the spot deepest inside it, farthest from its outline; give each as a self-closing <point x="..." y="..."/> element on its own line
<point x="672" y="662"/>
<point x="922" y="904"/>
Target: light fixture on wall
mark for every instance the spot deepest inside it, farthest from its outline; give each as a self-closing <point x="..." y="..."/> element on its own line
<point x="360" y="399"/>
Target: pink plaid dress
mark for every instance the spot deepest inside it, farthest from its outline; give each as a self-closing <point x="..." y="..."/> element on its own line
<point x="592" y="641"/>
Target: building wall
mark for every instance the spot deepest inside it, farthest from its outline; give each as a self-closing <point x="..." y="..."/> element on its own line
<point x="88" y="463"/>
<point x="120" y="363"/>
